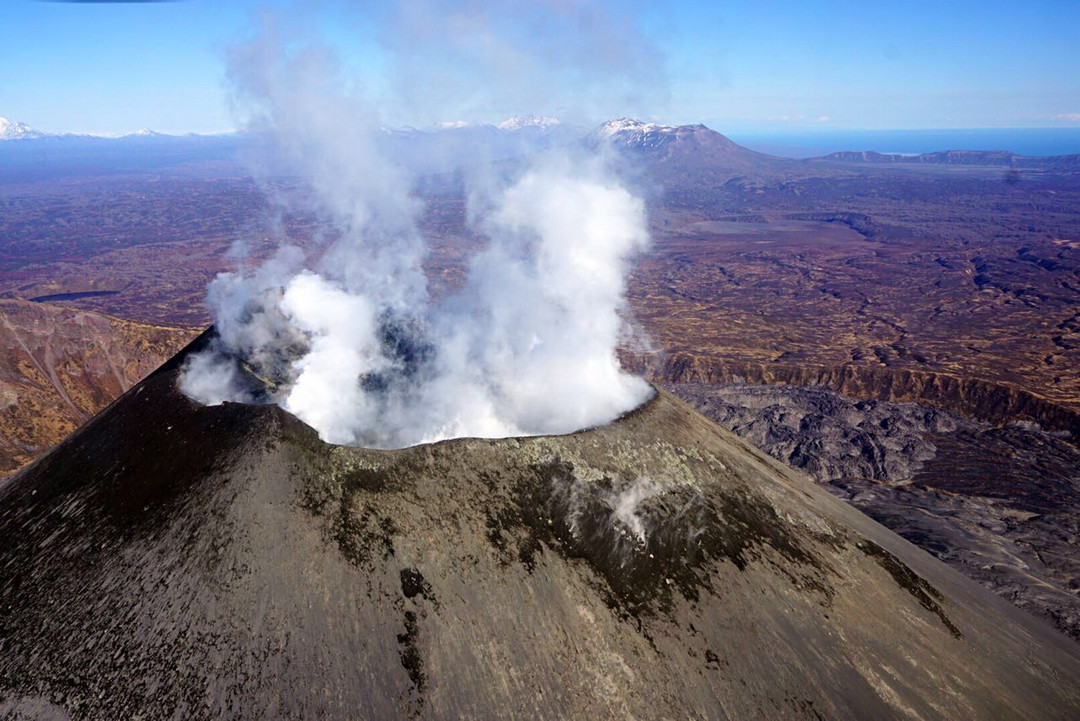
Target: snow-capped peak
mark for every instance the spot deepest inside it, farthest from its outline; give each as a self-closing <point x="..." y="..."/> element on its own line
<point x="631" y="125"/>
<point x="519" y="122"/>
<point x="14" y="130"/>
<point x="144" y="133"/>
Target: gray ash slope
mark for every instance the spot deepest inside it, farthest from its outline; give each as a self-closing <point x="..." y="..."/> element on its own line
<point x="998" y="502"/>
<point x="171" y="560"/>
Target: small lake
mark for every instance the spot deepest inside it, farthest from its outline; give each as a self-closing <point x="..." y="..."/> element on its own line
<point x="73" y="296"/>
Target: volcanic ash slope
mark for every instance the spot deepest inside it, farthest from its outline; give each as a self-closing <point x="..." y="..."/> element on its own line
<point x="173" y="560"/>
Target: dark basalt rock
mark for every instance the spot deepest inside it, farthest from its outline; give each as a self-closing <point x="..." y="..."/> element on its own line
<point x="999" y="503"/>
<point x="171" y="560"/>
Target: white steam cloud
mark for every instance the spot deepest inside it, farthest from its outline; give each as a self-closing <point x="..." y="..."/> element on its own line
<point x="351" y="343"/>
<point x="628" y="503"/>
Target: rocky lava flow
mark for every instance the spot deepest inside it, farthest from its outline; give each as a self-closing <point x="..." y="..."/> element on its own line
<point x="1000" y="503"/>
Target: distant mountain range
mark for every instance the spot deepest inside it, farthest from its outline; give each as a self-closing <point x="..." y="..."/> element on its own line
<point x="14" y="130"/>
<point x="959" y="157"/>
<point x="697" y="147"/>
<point x="518" y="123"/>
<point x="681" y="149"/>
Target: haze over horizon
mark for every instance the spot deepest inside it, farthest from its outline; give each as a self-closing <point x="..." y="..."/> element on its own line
<point x="739" y="68"/>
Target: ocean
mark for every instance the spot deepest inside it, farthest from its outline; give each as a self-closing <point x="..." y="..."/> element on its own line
<point x="1022" y="141"/>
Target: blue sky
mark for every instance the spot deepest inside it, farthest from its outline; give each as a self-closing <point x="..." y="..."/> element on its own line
<point x="737" y="66"/>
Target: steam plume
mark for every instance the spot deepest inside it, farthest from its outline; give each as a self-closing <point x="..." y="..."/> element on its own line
<point x="350" y="341"/>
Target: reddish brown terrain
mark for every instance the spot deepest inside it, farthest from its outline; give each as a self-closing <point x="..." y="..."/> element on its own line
<point x="950" y="283"/>
<point x="60" y="366"/>
<point x="952" y="280"/>
<point x="908" y="281"/>
<point x="138" y="247"/>
<point x="946" y="282"/>
<point x="988" y="327"/>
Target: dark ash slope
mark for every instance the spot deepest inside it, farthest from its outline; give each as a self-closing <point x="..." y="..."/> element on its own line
<point x="174" y="560"/>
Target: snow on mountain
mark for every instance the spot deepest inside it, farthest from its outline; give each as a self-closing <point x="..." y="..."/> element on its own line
<point x="520" y="122"/>
<point x="630" y="125"/>
<point x="510" y="125"/>
<point x="633" y="133"/>
<point x="14" y="130"/>
<point x="678" y="147"/>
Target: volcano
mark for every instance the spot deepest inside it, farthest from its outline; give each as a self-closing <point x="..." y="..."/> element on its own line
<point x="185" y="561"/>
<point x="682" y="149"/>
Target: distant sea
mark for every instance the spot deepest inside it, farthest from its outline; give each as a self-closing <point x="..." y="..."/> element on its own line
<point x="1022" y="141"/>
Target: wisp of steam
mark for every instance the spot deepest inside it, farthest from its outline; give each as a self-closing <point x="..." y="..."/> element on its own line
<point x="351" y="342"/>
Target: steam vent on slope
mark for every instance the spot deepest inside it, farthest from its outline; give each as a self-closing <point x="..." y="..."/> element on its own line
<point x="175" y="560"/>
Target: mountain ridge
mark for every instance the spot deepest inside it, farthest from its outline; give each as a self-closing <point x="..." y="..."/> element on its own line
<point x="14" y="130"/>
<point x="628" y="134"/>
<point x="956" y="157"/>
<point x="692" y="146"/>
